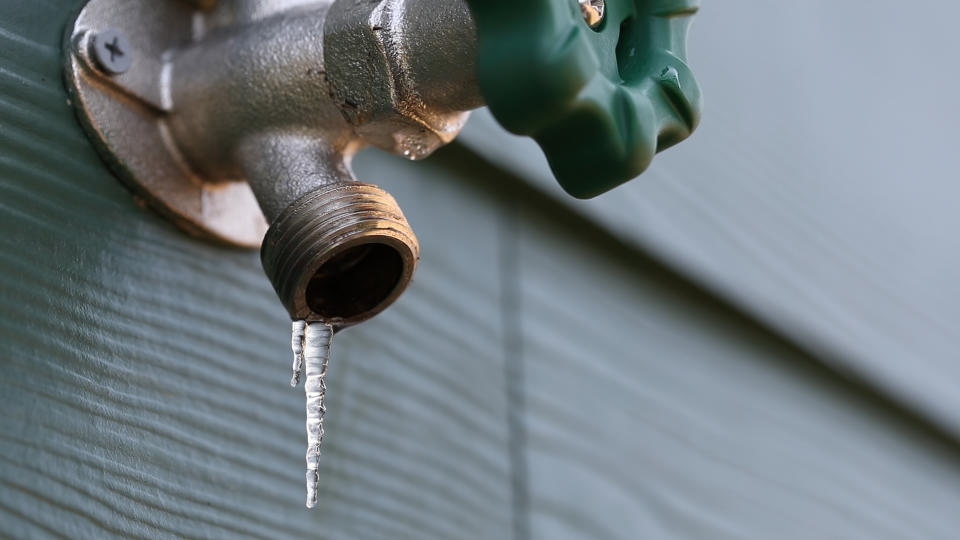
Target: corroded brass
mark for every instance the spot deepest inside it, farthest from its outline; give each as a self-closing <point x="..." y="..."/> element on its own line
<point x="239" y="113"/>
<point x="125" y="116"/>
<point x="340" y="254"/>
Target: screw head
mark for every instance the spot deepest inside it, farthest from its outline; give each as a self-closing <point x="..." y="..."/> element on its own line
<point x="670" y="76"/>
<point x="593" y="12"/>
<point x="112" y="52"/>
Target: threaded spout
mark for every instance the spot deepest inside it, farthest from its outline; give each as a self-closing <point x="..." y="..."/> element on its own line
<point x="340" y="254"/>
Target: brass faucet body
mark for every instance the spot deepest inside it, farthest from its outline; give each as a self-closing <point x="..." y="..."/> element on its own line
<point x="279" y="95"/>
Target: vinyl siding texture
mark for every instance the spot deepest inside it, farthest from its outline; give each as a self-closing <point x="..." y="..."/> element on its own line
<point x="541" y="378"/>
<point x="820" y="192"/>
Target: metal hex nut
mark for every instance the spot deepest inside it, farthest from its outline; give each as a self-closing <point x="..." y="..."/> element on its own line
<point x="390" y="82"/>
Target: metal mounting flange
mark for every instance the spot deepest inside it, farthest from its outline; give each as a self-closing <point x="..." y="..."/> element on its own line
<point x="117" y="74"/>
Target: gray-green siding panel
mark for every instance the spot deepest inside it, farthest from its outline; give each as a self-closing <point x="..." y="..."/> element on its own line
<point x="654" y="413"/>
<point x="143" y="375"/>
<point x="820" y="192"/>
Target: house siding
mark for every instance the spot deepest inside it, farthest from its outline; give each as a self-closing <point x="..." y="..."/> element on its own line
<point x="540" y="379"/>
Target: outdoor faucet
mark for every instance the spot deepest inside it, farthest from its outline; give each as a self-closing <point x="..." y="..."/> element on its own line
<point x="284" y="101"/>
<point x="230" y="115"/>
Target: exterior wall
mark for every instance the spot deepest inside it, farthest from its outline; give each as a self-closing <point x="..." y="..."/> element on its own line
<point x="820" y="192"/>
<point x="539" y="380"/>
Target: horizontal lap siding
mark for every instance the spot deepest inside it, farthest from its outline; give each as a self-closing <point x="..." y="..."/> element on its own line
<point x="654" y="412"/>
<point x="143" y="375"/>
<point x="820" y="192"/>
<point x="536" y="378"/>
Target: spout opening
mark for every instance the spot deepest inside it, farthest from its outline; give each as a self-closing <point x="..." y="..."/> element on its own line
<point x="341" y="254"/>
<point x="355" y="281"/>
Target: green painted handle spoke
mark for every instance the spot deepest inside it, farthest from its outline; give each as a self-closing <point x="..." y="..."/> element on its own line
<point x="601" y="101"/>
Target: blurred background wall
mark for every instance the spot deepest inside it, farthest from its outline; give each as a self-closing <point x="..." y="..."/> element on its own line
<point x="758" y="339"/>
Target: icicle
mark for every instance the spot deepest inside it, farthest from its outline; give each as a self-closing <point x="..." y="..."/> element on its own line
<point x="316" y="355"/>
<point x="299" y="327"/>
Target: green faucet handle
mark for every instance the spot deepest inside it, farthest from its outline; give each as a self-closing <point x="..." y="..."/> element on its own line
<point x="602" y="85"/>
